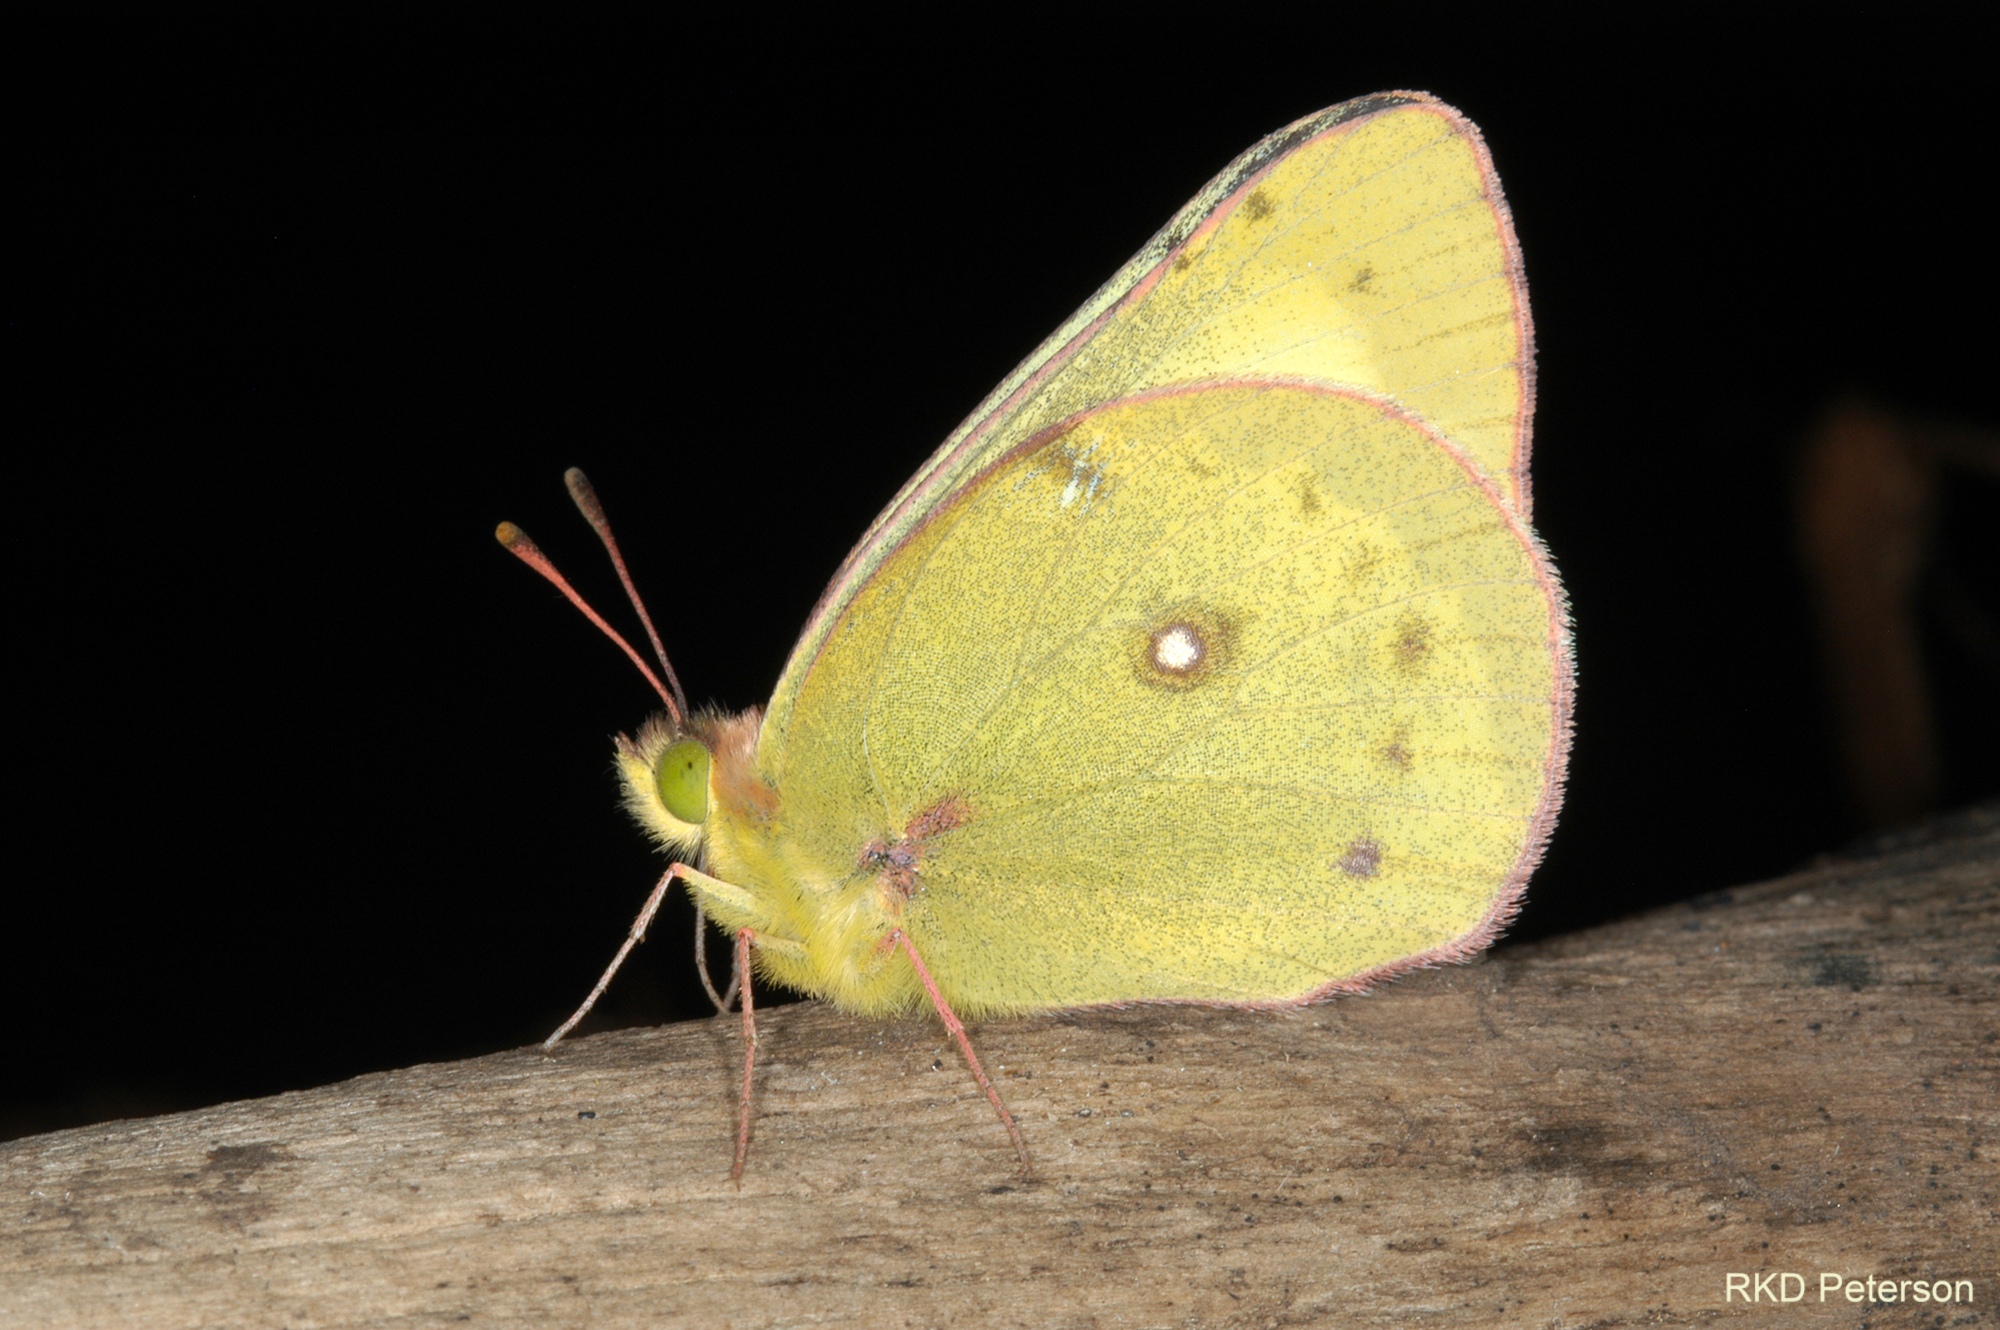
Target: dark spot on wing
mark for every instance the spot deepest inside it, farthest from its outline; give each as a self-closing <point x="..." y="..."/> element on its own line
<point x="1363" y="562"/>
<point x="946" y="814"/>
<point x="1362" y="859"/>
<point x="1412" y="646"/>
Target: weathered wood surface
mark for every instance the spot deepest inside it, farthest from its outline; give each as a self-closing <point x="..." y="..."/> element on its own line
<point x="1801" y="1076"/>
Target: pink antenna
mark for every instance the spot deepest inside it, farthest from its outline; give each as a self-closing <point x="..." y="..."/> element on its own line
<point x="593" y="512"/>
<point x="518" y="544"/>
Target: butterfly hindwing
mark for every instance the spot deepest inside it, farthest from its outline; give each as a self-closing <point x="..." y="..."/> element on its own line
<point x="1231" y="693"/>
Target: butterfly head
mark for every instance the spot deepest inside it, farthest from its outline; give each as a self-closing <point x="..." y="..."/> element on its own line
<point x="674" y="775"/>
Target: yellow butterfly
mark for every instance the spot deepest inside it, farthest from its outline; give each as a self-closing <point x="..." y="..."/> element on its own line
<point x="1211" y="660"/>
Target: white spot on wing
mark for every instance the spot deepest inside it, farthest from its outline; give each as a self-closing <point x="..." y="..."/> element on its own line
<point x="1084" y="475"/>
<point x="1177" y="649"/>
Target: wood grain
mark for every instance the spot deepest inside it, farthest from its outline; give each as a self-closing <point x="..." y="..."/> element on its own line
<point x="1799" y="1076"/>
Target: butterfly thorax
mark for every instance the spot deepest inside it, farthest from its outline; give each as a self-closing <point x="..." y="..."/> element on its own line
<point x="821" y="925"/>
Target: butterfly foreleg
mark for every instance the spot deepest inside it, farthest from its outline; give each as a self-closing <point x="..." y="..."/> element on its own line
<point x="633" y="938"/>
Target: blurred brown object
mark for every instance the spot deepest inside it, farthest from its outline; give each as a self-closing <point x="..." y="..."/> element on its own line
<point x="1867" y="496"/>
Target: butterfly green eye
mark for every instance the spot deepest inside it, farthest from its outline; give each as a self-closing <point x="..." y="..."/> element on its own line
<point x="682" y="780"/>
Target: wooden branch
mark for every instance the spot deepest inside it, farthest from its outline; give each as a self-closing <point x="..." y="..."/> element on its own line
<point x="1802" y="1076"/>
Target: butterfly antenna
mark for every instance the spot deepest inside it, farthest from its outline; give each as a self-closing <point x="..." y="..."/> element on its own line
<point x="593" y="513"/>
<point x="518" y="544"/>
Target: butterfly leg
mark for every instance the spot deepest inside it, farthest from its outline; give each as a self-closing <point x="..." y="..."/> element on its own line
<point x="744" y="939"/>
<point x="952" y="1023"/>
<point x="727" y="995"/>
<point x="632" y="939"/>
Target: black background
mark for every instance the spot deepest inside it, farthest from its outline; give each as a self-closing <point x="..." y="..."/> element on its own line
<point x="312" y="779"/>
